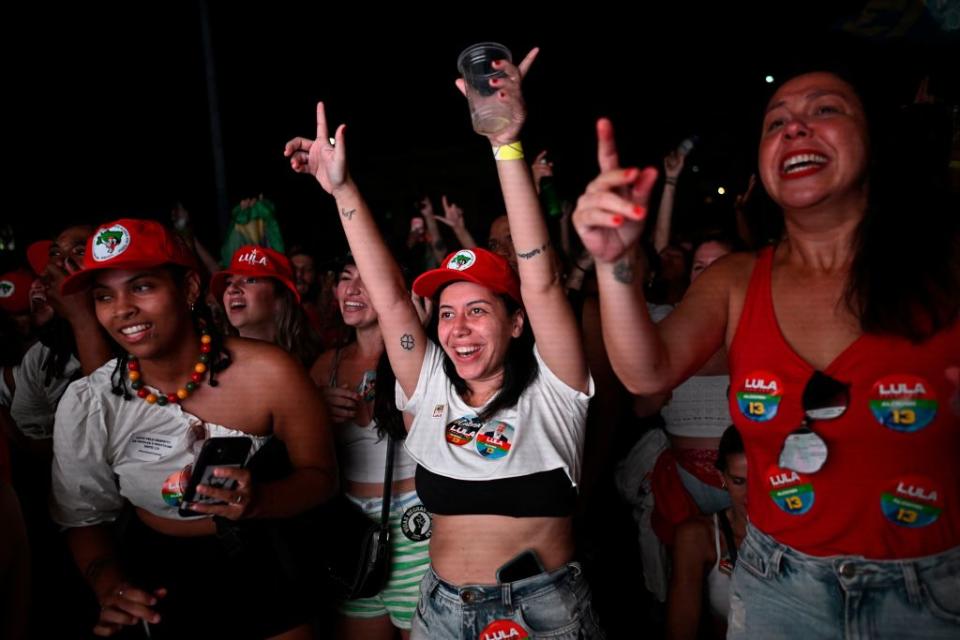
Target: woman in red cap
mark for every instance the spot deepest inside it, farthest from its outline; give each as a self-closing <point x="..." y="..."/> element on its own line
<point x="129" y="433"/>
<point x="262" y="302"/>
<point x="497" y="429"/>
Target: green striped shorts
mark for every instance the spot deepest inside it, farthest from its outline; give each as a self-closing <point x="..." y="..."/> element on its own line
<point x="410" y="558"/>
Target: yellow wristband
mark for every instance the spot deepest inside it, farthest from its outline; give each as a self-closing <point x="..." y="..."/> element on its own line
<point x="512" y="151"/>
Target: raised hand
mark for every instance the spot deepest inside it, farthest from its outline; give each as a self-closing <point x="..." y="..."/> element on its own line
<point x="323" y="158"/>
<point x="673" y="164"/>
<point x="452" y="214"/>
<point x="610" y="215"/>
<point x="509" y="93"/>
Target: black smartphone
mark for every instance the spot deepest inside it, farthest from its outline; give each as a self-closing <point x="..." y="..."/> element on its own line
<point x="216" y="452"/>
<point x="525" y="564"/>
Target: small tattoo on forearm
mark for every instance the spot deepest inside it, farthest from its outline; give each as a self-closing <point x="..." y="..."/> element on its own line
<point x="407" y="342"/>
<point x="535" y="252"/>
<point x="348" y="213"/>
<point x="623" y="271"/>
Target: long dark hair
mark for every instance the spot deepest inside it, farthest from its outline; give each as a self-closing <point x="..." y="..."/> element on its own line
<point x="904" y="279"/>
<point x="519" y="367"/>
<point x="385" y="411"/>
<point x="294" y="333"/>
<point x="57" y="336"/>
<point x="202" y="318"/>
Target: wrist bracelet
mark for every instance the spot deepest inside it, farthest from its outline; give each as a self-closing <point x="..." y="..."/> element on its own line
<point x="672" y="181"/>
<point x="510" y="151"/>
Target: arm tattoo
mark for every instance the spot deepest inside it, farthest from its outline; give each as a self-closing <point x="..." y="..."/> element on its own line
<point x="407" y="342"/>
<point x="623" y="271"/>
<point x="348" y="213"/>
<point x="533" y="252"/>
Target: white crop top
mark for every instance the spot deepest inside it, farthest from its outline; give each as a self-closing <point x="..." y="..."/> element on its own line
<point x="107" y="449"/>
<point x="698" y="408"/>
<point x="362" y="454"/>
<point x="543" y="432"/>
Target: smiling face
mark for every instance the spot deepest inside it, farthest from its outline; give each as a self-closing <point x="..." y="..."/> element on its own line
<point x="251" y="303"/>
<point x="355" y="305"/>
<point x="815" y="144"/>
<point x="475" y="330"/>
<point x="145" y="310"/>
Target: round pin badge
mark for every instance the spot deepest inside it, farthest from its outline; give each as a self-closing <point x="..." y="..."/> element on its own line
<point x="912" y="501"/>
<point x="759" y="395"/>
<point x="789" y="490"/>
<point x="109" y="242"/>
<point x="494" y="440"/>
<point x="416" y="523"/>
<point x="175" y="486"/>
<point x="504" y="630"/>
<point x="462" y="430"/>
<point x="903" y="402"/>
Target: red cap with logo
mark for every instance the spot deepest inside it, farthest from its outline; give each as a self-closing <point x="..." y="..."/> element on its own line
<point x="259" y="262"/>
<point x="473" y="265"/>
<point x="15" y="291"/>
<point x="129" y="243"/>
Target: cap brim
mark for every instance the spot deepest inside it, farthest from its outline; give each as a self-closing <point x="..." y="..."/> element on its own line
<point x="426" y="284"/>
<point x="218" y="284"/>
<point x="77" y="281"/>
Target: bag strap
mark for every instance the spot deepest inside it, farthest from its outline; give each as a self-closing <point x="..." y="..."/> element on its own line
<point x="727" y="531"/>
<point x="387" y="488"/>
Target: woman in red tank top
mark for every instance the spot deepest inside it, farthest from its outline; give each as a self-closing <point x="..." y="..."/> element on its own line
<point x="842" y="340"/>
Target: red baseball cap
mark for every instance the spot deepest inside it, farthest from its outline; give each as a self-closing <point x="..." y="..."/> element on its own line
<point x="257" y="261"/>
<point x="38" y="255"/>
<point x="15" y="291"/>
<point x="129" y="243"/>
<point x="473" y="265"/>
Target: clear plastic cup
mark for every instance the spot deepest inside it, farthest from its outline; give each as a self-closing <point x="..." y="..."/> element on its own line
<point x="488" y="114"/>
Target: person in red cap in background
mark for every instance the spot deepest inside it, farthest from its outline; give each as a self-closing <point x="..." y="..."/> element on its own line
<point x="498" y="424"/>
<point x="262" y="302"/>
<point x="15" y="299"/>
<point x="129" y="433"/>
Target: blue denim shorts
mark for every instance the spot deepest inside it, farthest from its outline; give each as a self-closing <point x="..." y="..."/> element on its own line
<point x="778" y="592"/>
<point x="552" y="605"/>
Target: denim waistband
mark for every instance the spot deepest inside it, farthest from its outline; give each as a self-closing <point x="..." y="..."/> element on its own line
<point x="472" y="594"/>
<point x="765" y="555"/>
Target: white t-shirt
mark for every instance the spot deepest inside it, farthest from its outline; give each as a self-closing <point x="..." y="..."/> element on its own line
<point x="544" y="431"/>
<point x="698" y="408"/>
<point x="34" y="403"/>
<point x="107" y="449"/>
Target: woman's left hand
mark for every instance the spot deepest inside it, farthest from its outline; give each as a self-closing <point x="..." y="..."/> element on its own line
<point x="239" y="501"/>
<point x="509" y="93"/>
<point x="323" y="158"/>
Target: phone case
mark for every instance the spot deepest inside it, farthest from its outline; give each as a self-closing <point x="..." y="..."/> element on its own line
<point x="216" y="452"/>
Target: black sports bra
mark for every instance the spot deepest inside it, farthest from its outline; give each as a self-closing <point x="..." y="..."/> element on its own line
<point x="547" y="494"/>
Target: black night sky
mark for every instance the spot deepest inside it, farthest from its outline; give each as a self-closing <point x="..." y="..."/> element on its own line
<point x="108" y="108"/>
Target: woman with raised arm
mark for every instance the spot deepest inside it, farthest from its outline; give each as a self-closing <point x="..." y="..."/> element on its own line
<point x="838" y="358"/>
<point x="497" y="428"/>
<point x="126" y="438"/>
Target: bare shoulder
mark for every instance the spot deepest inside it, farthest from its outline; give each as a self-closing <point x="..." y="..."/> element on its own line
<point x="320" y="371"/>
<point x="261" y="360"/>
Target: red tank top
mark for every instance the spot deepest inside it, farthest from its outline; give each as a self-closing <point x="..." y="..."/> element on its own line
<point x="890" y="487"/>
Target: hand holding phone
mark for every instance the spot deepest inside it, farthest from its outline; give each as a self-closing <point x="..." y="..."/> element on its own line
<point x="217" y="453"/>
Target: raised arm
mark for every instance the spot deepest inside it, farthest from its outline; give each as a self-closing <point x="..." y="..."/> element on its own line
<point x="541" y="285"/>
<point x="672" y="166"/>
<point x="647" y="358"/>
<point x="403" y="334"/>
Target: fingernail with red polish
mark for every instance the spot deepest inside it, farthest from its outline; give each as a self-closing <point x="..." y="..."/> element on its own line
<point x="640" y="212"/>
<point x="631" y="174"/>
<point x="617" y="221"/>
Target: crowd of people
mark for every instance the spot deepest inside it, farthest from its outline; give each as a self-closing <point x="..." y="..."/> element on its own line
<point x="792" y="405"/>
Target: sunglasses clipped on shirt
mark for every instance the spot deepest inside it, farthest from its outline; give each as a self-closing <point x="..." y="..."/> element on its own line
<point x="824" y="398"/>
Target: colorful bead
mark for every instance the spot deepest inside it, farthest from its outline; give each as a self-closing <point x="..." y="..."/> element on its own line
<point x="196" y="377"/>
<point x="136" y="377"/>
<point x="191" y="387"/>
<point x="205" y="348"/>
<point x="133" y="365"/>
<point x="183" y="394"/>
<point x="205" y="339"/>
<point x="133" y="376"/>
<point x="172" y="397"/>
<point x="137" y="384"/>
<point x="151" y="399"/>
<point x="200" y="367"/>
<point x="162" y="400"/>
<point x="204" y="358"/>
<point x="141" y="392"/>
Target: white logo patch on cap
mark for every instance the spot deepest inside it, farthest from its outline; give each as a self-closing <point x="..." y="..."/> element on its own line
<point x="110" y="242"/>
<point x="462" y="260"/>
<point x="7" y="289"/>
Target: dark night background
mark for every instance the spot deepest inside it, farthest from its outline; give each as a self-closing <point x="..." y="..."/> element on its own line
<point x="107" y="107"/>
